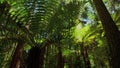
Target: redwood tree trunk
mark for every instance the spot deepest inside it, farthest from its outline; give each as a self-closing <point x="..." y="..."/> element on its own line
<point x="15" y="63"/>
<point x="112" y="32"/>
<point x="84" y="53"/>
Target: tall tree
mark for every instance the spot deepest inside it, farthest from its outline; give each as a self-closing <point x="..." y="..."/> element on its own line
<point x="60" y="58"/>
<point x="35" y="57"/>
<point x="16" y="59"/>
<point x="112" y="32"/>
<point x="84" y="53"/>
<point x="12" y="31"/>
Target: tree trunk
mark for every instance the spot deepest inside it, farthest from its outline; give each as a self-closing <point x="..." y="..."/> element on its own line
<point x="42" y="57"/>
<point x="70" y="62"/>
<point x="15" y="63"/>
<point x="78" y="62"/>
<point x="112" y="32"/>
<point x="84" y="53"/>
<point x="60" y="60"/>
<point x="36" y="57"/>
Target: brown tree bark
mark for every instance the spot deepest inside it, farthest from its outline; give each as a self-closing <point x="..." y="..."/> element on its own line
<point x="60" y="59"/>
<point x="36" y="57"/>
<point x="84" y="53"/>
<point x="15" y="63"/>
<point x="112" y="32"/>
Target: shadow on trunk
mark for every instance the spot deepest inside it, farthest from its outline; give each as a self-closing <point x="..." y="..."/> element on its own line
<point x="35" y="57"/>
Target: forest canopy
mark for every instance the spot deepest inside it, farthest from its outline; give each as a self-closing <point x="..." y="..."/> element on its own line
<point x="59" y="33"/>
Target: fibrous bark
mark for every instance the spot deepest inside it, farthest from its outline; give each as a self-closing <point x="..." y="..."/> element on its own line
<point x="15" y="63"/>
<point x="111" y="31"/>
<point x="84" y="53"/>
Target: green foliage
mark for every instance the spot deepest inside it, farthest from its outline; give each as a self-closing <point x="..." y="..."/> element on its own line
<point x="64" y="22"/>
